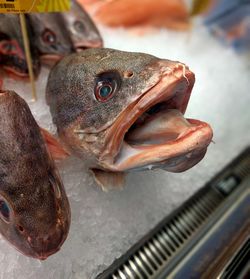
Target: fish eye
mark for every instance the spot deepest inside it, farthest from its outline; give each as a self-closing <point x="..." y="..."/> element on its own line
<point x="49" y="37"/>
<point x="79" y="26"/>
<point x="4" y="210"/>
<point x="107" y="84"/>
<point x="104" y="90"/>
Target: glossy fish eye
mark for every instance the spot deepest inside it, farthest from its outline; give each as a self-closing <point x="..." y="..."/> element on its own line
<point x="79" y="26"/>
<point x="4" y="210"/>
<point x="49" y="37"/>
<point x="104" y="90"/>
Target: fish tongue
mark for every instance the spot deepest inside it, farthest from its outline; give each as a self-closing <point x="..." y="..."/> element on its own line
<point x="161" y="127"/>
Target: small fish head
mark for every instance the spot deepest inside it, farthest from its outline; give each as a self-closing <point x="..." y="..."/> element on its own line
<point x="82" y="30"/>
<point x="12" y="54"/>
<point x="114" y="105"/>
<point x="36" y="223"/>
<point x="50" y="39"/>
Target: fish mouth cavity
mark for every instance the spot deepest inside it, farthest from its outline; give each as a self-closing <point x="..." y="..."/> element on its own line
<point x="153" y="133"/>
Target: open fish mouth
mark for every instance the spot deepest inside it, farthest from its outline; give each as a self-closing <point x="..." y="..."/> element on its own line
<point x="152" y="132"/>
<point x="16" y="65"/>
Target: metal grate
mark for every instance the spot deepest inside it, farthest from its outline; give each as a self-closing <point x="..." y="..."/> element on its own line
<point x="163" y="245"/>
<point x="155" y="251"/>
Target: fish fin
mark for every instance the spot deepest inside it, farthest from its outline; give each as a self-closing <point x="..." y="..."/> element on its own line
<point x="57" y="151"/>
<point x="109" y="180"/>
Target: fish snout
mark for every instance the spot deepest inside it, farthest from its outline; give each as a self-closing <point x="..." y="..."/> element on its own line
<point x="44" y="245"/>
<point x="176" y="70"/>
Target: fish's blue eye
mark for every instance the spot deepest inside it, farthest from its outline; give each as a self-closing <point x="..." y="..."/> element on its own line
<point x="104" y="91"/>
<point x="4" y="210"/>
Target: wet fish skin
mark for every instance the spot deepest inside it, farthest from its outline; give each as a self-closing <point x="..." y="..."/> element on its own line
<point x="34" y="209"/>
<point x="78" y="98"/>
<point x="98" y="129"/>
<point x="82" y="30"/>
<point x="12" y="54"/>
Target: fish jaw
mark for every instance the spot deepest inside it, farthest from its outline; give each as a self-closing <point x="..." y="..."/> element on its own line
<point x="50" y="59"/>
<point x="88" y="44"/>
<point x="14" y="61"/>
<point x="176" y="154"/>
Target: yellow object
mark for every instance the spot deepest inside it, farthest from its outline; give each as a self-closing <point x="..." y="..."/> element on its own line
<point x="28" y="55"/>
<point x="40" y="6"/>
<point x="199" y="7"/>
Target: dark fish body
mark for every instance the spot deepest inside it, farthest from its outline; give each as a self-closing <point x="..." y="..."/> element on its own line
<point x="34" y="209"/>
<point x="123" y="111"/>
<point x="12" y="54"/>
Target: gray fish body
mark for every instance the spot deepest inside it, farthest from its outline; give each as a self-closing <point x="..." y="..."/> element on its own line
<point x="34" y="209"/>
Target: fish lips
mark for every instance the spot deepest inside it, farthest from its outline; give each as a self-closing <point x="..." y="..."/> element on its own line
<point x="50" y="59"/>
<point x="18" y="67"/>
<point x="81" y="46"/>
<point x="177" y="150"/>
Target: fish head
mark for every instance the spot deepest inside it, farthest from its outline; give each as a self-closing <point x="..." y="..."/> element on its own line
<point x="34" y="209"/>
<point x="123" y="111"/>
<point x="49" y="37"/>
<point x="12" y="53"/>
<point x="82" y="30"/>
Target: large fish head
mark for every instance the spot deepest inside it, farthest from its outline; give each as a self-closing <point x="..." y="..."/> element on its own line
<point x="12" y="54"/>
<point x="49" y="37"/>
<point x="82" y="30"/>
<point x="126" y="111"/>
<point x="34" y="209"/>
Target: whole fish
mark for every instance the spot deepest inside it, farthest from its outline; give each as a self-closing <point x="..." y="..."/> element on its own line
<point x="12" y="55"/>
<point x="123" y="111"/>
<point x="82" y="30"/>
<point x="49" y="37"/>
<point x="34" y="209"/>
